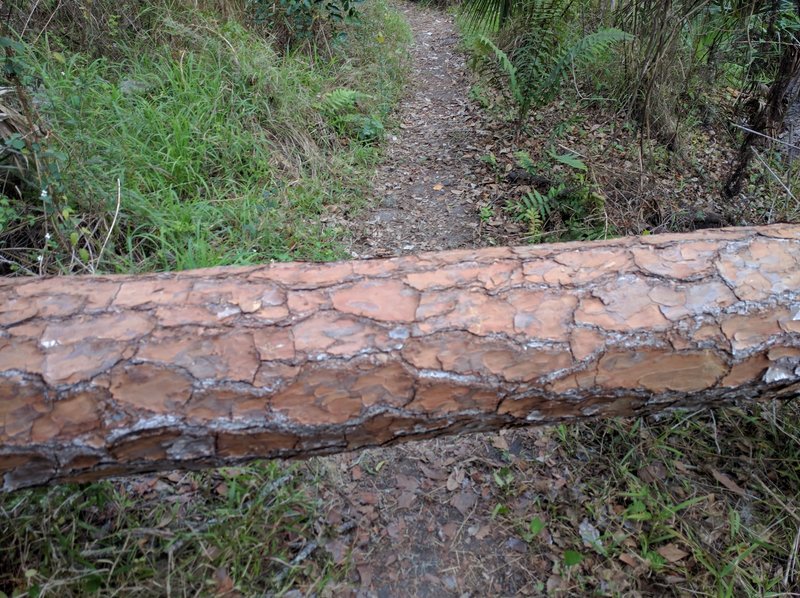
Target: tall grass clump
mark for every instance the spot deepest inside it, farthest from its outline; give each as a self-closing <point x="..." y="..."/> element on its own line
<point x="199" y="144"/>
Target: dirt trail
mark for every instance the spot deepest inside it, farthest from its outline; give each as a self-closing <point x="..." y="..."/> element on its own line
<point x="424" y="190"/>
<point x="419" y="516"/>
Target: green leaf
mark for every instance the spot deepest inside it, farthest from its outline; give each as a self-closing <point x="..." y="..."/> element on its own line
<point x="536" y="526"/>
<point x="93" y="584"/>
<point x="15" y="141"/>
<point x="73" y="238"/>
<point x="84" y="254"/>
<point x="485" y="45"/>
<point x="568" y="160"/>
<point x="500" y="509"/>
<point x="572" y="558"/>
<point x="7" y="42"/>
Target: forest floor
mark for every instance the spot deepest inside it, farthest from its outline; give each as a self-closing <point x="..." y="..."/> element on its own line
<point x="690" y="503"/>
<point x="645" y="508"/>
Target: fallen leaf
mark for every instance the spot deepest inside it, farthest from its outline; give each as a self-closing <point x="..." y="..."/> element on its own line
<point x="653" y="472"/>
<point x="404" y="482"/>
<point x="499" y="442"/>
<point x="464" y="501"/>
<point x="438" y="187"/>
<point x="591" y="536"/>
<point x="367" y="498"/>
<point x="434" y="473"/>
<point x="454" y="479"/>
<point x="405" y="500"/>
<point x="516" y="545"/>
<point x="451" y="529"/>
<point x="338" y="550"/>
<point x="672" y="553"/>
<point x="365" y="573"/>
<point x="728" y="482"/>
<point x="553" y="583"/>
<point x="629" y="559"/>
<point x="395" y="529"/>
<point x="224" y="583"/>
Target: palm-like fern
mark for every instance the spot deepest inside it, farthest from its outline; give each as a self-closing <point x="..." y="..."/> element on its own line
<point x="341" y="100"/>
<point x="535" y="70"/>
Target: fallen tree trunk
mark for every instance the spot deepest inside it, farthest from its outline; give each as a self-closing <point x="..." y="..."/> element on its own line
<point x="111" y="375"/>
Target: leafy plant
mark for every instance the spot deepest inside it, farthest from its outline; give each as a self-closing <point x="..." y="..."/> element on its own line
<point x="299" y="20"/>
<point x="342" y="110"/>
<point x="570" y="209"/>
<point x="568" y="160"/>
<point x="340" y="100"/>
<point x="572" y="558"/>
<point x="535" y="527"/>
<point x="534" y="208"/>
<point x="535" y="70"/>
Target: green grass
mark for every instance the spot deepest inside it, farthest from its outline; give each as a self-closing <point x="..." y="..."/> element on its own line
<point x="216" y="147"/>
<point x="252" y="527"/>
<point x="719" y="486"/>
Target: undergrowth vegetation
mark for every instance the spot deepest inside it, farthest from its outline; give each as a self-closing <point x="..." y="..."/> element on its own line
<point x="684" y="116"/>
<point x="689" y="503"/>
<point x="170" y="135"/>
<point x="196" y="143"/>
<point x="247" y="529"/>
<point x="689" y="99"/>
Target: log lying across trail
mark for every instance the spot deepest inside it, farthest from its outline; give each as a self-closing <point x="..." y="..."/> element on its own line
<point x="109" y="375"/>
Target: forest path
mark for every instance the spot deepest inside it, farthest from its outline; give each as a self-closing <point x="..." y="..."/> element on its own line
<point x="424" y="189"/>
<point x="419" y="517"/>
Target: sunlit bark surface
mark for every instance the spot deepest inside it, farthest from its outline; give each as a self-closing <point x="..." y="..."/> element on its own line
<point x="109" y="375"/>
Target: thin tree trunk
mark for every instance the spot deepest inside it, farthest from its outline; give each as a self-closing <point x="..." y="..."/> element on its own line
<point x="111" y="375"/>
<point x="768" y="119"/>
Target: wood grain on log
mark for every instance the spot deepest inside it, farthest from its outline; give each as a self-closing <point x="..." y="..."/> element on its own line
<point x="110" y="375"/>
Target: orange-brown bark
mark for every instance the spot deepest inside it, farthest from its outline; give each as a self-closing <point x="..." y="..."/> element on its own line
<point x="109" y="375"/>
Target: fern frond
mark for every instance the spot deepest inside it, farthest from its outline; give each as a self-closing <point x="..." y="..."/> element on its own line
<point x="570" y="160"/>
<point x="535" y="223"/>
<point x="526" y="162"/>
<point x="487" y="46"/>
<point x="533" y="200"/>
<point x="488" y="14"/>
<point x="340" y="100"/>
<point x="582" y="52"/>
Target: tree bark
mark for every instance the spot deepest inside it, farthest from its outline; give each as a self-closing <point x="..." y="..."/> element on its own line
<point x="110" y="375"/>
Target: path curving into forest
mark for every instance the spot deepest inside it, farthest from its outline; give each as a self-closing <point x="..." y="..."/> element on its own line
<point x="424" y="192"/>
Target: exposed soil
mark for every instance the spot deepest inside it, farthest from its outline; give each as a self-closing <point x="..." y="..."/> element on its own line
<point x="425" y="190"/>
<point x="424" y="517"/>
<point x="420" y="515"/>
